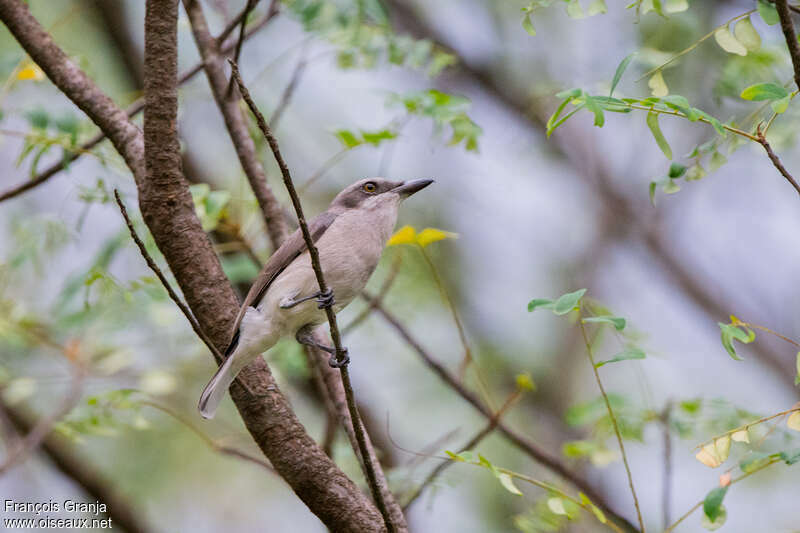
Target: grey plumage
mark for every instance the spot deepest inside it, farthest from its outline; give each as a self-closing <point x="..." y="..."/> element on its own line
<point x="350" y="236"/>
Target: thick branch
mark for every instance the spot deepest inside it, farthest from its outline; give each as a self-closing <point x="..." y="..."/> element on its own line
<point x="369" y="466"/>
<point x="787" y="26"/>
<point x="213" y="62"/>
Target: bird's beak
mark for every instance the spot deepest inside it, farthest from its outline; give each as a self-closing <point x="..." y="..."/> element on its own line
<point x="407" y="188"/>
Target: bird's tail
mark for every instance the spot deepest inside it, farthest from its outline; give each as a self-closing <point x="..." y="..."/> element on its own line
<point x="215" y="390"/>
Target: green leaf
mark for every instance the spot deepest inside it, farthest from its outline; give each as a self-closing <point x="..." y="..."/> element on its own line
<point x="680" y="103"/>
<point x="348" y="138"/>
<point x="597" y="7"/>
<point x="779" y="106"/>
<point x="658" y="87"/>
<point x="652" y="191"/>
<point x="728" y="42"/>
<point x="729" y="332"/>
<point x="746" y="34"/>
<point x="716" y="161"/>
<point x="655" y="129"/>
<point x="712" y="505"/>
<point x="616" y="321"/>
<point x="38" y="118"/>
<point x="540" y="302"/>
<point x="797" y="376"/>
<point x="696" y="172"/>
<point x="791" y="457"/>
<point x="768" y="12"/>
<point x="755" y="461"/>
<point x="594" y="107"/>
<point x="528" y="25"/>
<point x="620" y="71"/>
<point x="676" y="170"/>
<point x="764" y="91"/>
<point x="566" y="303"/>
<point x="508" y="483"/>
<point x="712" y="525"/>
<point x="625" y="355"/>
<point x="377" y="137"/>
<point x="574" y="9"/>
<point x="461" y="457"/>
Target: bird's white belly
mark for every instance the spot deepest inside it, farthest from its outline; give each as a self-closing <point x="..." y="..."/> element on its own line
<point x="349" y="252"/>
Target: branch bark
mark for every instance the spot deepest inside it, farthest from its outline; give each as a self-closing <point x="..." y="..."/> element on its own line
<point x="134" y="109"/>
<point x="787" y="26"/>
<point x="228" y="103"/>
<point x="529" y="448"/>
<point x="169" y="213"/>
<point x="364" y="448"/>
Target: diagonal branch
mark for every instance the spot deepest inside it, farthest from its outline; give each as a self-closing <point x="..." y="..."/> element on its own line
<point x="787" y="26"/>
<point x="168" y="211"/>
<point x="235" y="123"/>
<point x="529" y="448"/>
<point x="369" y="465"/>
<point x="762" y="140"/>
<point x="134" y="109"/>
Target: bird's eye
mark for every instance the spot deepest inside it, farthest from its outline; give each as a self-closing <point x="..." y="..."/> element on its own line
<point x="370" y="187"/>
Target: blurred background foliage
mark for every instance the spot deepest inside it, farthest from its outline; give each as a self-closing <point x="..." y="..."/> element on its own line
<point x="459" y="91"/>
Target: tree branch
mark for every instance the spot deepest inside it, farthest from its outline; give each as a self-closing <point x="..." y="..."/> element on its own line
<point x="532" y="450"/>
<point x="776" y="160"/>
<point x="369" y="465"/>
<point x="235" y="123"/>
<point x="134" y="109"/>
<point x="81" y="472"/>
<point x="787" y="26"/>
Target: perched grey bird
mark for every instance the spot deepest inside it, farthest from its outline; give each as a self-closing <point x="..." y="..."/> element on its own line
<point x="285" y="298"/>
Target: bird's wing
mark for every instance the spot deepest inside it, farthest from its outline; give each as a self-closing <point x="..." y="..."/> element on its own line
<point x="291" y="248"/>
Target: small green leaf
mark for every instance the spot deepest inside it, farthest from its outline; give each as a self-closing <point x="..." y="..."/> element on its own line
<point x="729" y="332"/>
<point x="713" y="502"/>
<point x="568" y="302"/>
<point x="655" y="129"/>
<point x="712" y="525"/>
<point x="527" y="23"/>
<point x="658" y="87"/>
<point x="779" y="106"/>
<point x="461" y="457"/>
<point x="508" y="483"/>
<point x="791" y="457"/>
<point x="597" y="7"/>
<point x="746" y="34"/>
<point x="652" y="191"/>
<point x="620" y="71"/>
<point x="540" y="302"/>
<point x="768" y="12"/>
<point x="695" y="172"/>
<point x="676" y="170"/>
<point x="616" y="321"/>
<point x="764" y="91"/>
<point x="556" y="505"/>
<point x="594" y="107"/>
<point x="728" y="42"/>
<point x="755" y="461"/>
<point x="797" y="376"/>
<point x="347" y="138"/>
<point x="625" y="355"/>
<point x="574" y="9"/>
<point x="716" y="161"/>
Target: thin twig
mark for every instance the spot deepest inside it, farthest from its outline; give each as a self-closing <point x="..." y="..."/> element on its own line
<point x="762" y="140"/>
<point x="748" y="425"/>
<point x="291" y="87"/>
<point x="470" y="445"/>
<point x="700" y="503"/>
<point x="613" y="423"/>
<point x="163" y="279"/>
<point x="323" y="287"/>
<point x="41" y="430"/>
<point x="666" y="481"/>
<point x="132" y="110"/>
<point x="532" y="450"/>
<point x="251" y="4"/>
<point x="226" y="450"/>
<point x="787" y="26"/>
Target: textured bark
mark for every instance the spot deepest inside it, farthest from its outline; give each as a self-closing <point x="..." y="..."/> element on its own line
<point x="228" y="103"/>
<point x="168" y="210"/>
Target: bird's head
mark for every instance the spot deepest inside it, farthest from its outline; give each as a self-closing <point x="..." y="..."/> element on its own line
<point x="375" y="191"/>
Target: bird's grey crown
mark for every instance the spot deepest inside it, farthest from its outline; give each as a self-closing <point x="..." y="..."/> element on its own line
<point x="356" y="193"/>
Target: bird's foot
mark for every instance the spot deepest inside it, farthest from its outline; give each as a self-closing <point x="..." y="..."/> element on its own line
<point x="339" y="360"/>
<point x="325" y="299"/>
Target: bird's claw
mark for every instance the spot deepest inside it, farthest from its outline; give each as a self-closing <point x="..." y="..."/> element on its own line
<point x="325" y="299"/>
<point x="339" y="360"/>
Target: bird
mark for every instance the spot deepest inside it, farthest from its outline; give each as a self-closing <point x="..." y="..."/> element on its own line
<point x="285" y="299"/>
